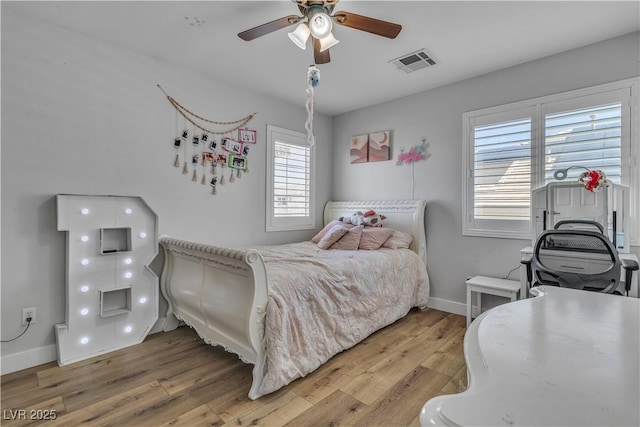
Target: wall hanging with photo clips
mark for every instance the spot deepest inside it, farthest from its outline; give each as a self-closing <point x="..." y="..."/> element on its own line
<point x="212" y="152"/>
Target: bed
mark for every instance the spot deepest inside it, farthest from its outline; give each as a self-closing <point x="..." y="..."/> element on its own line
<point x="287" y="309"/>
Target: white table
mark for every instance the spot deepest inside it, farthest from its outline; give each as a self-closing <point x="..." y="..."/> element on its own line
<point x="565" y="358"/>
<point x="492" y="286"/>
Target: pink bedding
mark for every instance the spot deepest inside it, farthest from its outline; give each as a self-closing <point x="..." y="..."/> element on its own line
<point x="322" y="302"/>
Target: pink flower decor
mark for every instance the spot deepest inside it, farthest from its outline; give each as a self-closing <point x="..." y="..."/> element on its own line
<point x="413" y="155"/>
<point x="593" y="180"/>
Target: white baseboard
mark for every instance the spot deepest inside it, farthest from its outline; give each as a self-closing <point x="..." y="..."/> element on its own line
<point x="28" y="358"/>
<point x="454" y="307"/>
<point x="49" y="353"/>
<point x="447" y="305"/>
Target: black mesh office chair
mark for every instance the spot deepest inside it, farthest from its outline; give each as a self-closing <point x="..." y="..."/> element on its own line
<point x="577" y="259"/>
<point x="579" y="224"/>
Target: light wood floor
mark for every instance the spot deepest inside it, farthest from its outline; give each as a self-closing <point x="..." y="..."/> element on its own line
<point x="175" y="379"/>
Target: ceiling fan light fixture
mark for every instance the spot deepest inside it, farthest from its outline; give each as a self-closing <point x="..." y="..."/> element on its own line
<point x="317" y="19"/>
<point x="320" y="25"/>
<point x="328" y="42"/>
<point x="300" y="35"/>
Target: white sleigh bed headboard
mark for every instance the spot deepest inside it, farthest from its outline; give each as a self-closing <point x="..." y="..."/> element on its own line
<point x="402" y="215"/>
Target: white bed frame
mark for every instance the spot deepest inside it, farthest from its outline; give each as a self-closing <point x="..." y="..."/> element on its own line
<point x="222" y="293"/>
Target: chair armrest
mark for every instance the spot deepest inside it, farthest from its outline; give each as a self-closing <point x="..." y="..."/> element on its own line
<point x="629" y="266"/>
<point x="526" y="260"/>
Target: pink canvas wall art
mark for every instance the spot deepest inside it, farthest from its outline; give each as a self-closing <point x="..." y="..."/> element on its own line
<point x="359" y="148"/>
<point x="379" y="144"/>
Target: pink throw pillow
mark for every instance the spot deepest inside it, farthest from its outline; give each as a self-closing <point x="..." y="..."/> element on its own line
<point x="333" y="235"/>
<point x="398" y="240"/>
<point x="374" y="237"/>
<point x="326" y="229"/>
<point x="350" y="241"/>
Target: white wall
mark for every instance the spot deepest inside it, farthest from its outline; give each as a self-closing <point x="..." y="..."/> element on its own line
<point x="437" y="115"/>
<point x="83" y="117"/>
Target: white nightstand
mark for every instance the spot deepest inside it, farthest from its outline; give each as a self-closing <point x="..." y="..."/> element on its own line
<point x="490" y="285"/>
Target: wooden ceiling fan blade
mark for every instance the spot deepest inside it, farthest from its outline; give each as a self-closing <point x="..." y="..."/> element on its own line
<point x="320" y="57"/>
<point x="370" y="25"/>
<point x="269" y="27"/>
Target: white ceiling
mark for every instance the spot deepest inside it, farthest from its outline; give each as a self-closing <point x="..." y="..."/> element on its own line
<point x="466" y="38"/>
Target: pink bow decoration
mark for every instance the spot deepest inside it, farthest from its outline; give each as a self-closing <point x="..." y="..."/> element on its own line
<point x="593" y="180"/>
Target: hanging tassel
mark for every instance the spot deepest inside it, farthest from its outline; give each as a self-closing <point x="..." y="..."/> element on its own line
<point x="231" y="178"/>
<point x="238" y="173"/>
<point x="185" y="169"/>
<point x="214" y="168"/>
<point x="194" y="178"/>
<point x="176" y="163"/>
<point x="213" y="189"/>
<point x="204" y="179"/>
<point x="222" y="180"/>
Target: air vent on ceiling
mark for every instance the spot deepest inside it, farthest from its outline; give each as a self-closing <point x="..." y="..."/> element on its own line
<point x="413" y="61"/>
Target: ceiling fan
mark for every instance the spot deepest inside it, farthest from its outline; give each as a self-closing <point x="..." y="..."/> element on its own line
<point x="316" y="22"/>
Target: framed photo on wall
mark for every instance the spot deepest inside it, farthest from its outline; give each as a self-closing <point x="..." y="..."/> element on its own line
<point x="232" y="146"/>
<point x="359" y="148"/>
<point x="379" y="146"/>
<point x="208" y="156"/>
<point x="221" y="158"/>
<point x="247" y="136"/>
<point x="237" y="162"/>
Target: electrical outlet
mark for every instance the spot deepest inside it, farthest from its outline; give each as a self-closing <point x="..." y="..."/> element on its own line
<point x="28" y="312"/>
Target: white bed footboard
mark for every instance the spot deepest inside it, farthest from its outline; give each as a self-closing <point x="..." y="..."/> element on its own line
<point x="219" y="292"/>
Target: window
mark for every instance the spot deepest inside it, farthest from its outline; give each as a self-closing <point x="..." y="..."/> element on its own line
<point x="501" y="171"/>
<point x="290" y="180"/>
<point x="513" y="149"/>
<point x="588" y="136"/>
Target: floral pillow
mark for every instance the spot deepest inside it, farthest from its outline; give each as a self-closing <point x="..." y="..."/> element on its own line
<point x="373" y="237"/>
<point x="398" y="240"/>
<point x="333" y="235"/>
<point x="350" y="241"/>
